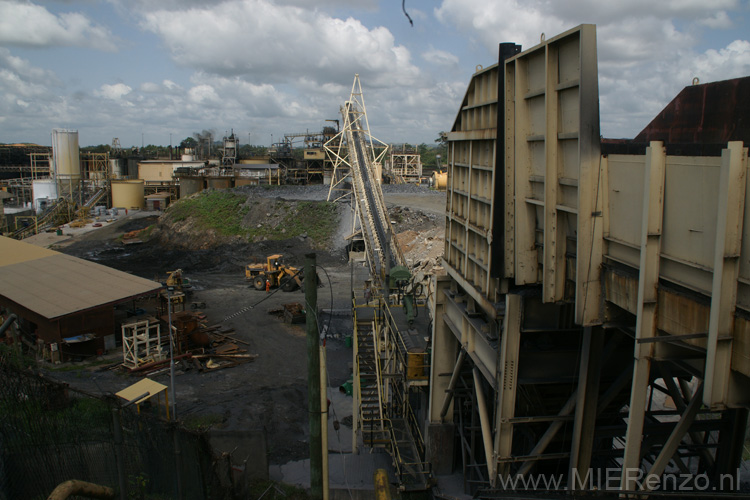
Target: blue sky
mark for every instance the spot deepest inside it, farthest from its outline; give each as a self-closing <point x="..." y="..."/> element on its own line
<point x="141" y="70"/>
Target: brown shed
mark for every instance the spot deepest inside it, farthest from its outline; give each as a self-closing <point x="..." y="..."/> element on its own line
<point x="63" y="297"/>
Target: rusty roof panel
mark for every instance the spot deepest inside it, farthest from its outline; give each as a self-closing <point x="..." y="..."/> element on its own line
<point x="710" y="113"/>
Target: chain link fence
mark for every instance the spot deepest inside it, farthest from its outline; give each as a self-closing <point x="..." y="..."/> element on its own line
<point x="50" y="433"/>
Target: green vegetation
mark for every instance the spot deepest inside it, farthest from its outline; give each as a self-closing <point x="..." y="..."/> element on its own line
<point x="55" y="418"/>
<point x="15" y="357"/>
<point x="218" y="210"/>
<point x="272" y="490"/>
<point x="317" y="219"/>
<point x="202" y="422"/>
<point x="224" y="212"/>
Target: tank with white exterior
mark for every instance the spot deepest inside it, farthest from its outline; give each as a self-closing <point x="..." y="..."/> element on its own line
<point x="44" y="193"/>
<point x="66" y="154"/>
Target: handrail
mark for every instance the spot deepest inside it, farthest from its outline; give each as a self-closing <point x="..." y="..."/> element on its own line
<point x="41" y="222"/>
<point x="376" y="356"/>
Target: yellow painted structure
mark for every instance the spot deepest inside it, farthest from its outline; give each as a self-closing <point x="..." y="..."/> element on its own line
<point x="128" y="193"/>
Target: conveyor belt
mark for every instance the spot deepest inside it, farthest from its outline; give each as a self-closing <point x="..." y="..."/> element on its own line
<point x="383" y="251"/>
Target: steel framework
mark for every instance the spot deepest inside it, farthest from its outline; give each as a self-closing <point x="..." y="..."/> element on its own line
<point x="594" y="316"/>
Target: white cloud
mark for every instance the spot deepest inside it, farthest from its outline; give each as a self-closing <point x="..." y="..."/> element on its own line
<point x="263" y="41"/>
<point x="25" y="24"/>
<point x="203" y="94"/>
<point x="720" y="20"/>
<point x="440" y="57"/>
<point x="732" y="61"/>
<point x="114" y="92"/>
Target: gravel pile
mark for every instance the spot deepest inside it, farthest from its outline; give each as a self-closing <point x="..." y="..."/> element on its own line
<point x="319" y="192"/>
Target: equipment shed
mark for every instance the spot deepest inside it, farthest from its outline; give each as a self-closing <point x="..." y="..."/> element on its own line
<point x="61" y="297"/>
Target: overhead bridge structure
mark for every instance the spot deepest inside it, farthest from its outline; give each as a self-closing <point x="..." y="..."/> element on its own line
<point x="595" y="316"/>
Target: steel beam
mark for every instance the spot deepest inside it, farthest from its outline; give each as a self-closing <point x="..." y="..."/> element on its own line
<point x="546" y="439"/>
<point x="452" y="385"/>
<point x="675" y="438"/>
<point x="646" y="320"/>
<point x="484" y="422"/>
<point x="586" y="406"/>
<point x="444" y="348"/>
<point x="472" y="333"/>
<point x="553" y="257"/>
<point x="510" y="344"/>
<point x="731" y="209"/>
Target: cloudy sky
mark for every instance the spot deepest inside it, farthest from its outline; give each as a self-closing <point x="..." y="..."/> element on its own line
<point x="141" y="70"/>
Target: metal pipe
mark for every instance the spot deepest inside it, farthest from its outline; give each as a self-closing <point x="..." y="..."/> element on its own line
<point x="484" y="421"/>
<point x="382" y="487"/>
<point x="324" y="419"/>
<point x="313" y="378"/>
<point x="81" y="488"/>
<point x="9" y="321"/>
<point x="452" y="384"/>
<point x="171" y="353"/>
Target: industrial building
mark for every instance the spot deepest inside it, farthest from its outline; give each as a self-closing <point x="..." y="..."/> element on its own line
<point x="66" y="303"/>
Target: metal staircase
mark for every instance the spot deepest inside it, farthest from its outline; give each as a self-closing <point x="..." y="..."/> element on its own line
<point x="375" y="433"/>
<point x="384" y="416"/>
<point x="55" y="214"/>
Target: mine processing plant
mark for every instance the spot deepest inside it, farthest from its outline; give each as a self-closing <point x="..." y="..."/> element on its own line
<point x="390" y="358"/>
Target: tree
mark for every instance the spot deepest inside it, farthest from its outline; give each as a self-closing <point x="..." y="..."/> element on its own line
<point x="188" y="142"/>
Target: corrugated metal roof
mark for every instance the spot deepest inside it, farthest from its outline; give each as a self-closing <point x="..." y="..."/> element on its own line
<point x="52" y="284"/>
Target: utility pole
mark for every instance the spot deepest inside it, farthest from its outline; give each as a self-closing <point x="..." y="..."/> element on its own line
<point x="171" y="353"/>
<point x="313" y="378"/>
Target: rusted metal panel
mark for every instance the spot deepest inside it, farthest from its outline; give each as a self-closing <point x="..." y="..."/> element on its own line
<point x="713" y="113"/>
<point x="680" y="314"/>
<point x="621" y="290"/>
<point x="741" y="345"/>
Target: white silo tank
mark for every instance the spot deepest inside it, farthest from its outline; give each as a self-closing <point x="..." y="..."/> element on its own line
<point x="65" y="154"/>
<point x="44" y="193"/>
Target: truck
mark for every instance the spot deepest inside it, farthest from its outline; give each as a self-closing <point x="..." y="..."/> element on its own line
<point x="275" y="272"/>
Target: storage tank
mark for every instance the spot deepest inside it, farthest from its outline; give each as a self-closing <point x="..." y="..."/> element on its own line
<point x="440" y="180"/>
<point x="118" y="168"/>
<point x="128" y="193"/>
<point x="188" y="154"/>
<point x="190" y="185"/>
<point x="65" y="154"/>
<point x="44" y="193"/>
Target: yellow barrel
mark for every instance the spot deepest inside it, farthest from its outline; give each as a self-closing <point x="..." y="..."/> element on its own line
<point x="416" y="362"/>
<point x="128" y="194"/>
<point x="440" y="180"/>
